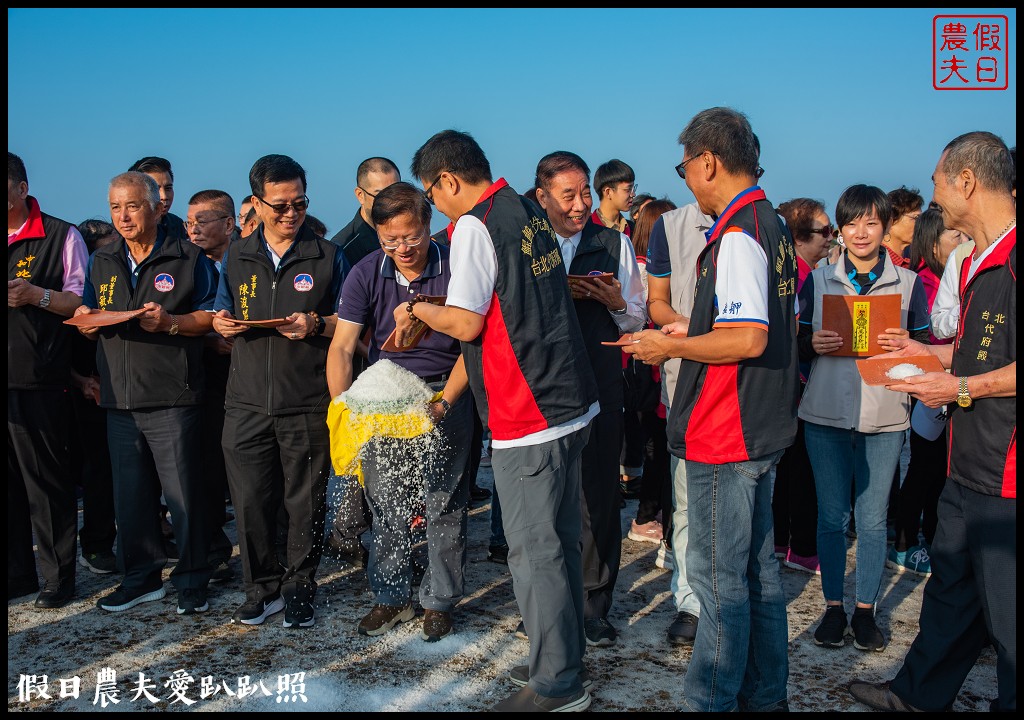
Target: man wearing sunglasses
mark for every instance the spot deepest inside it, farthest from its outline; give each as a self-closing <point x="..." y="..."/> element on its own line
<point x="275" y="441"/>
<point x="357" y="240"/>
<point x="509" y="304"/>
<point x="733" y="414"/>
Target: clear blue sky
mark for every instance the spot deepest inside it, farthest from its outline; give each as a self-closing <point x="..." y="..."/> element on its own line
<point x="836" y="96"/>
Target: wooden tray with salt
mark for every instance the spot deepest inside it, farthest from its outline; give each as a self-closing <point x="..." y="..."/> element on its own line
<point x="886" y="369"/>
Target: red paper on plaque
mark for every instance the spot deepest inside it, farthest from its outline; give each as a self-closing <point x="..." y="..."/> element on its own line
<point x="605" y="277"/>
<point x="859" y="320"/>
<point x="420" y="329"/>
<point x="103" y="318"/>
<point x="272" y="323"/>
<point x="875" y="370"/>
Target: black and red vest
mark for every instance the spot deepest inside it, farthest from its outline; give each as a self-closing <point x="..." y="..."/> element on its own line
<point x="983" y="437"/>
<point x="745" y="410"/>
<point x="140" y="369"/>
<point x="38" y="341"/>
<point x="272" y="374"/>
<point x="528" y="368"/>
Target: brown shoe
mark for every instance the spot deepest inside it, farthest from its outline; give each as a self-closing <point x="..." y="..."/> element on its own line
<point x="879" y="697"/>
<point x="436" y="625"/>
<point x="384" y="617"/>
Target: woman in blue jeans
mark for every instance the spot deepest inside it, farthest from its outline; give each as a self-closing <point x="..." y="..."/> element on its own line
<point x="854" y="432"/>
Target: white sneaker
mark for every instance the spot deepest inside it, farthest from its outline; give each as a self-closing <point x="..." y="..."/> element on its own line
<point x="664" y="558"/>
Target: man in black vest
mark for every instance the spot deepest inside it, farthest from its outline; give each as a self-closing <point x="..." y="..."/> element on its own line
<point x="45" y="273"/>
<point x="152" y="384"/>
<point x="276" y="443"/>
<point x="509" y="304"/>
<point x="606" y="308"/>
<point x="733" y="414"/>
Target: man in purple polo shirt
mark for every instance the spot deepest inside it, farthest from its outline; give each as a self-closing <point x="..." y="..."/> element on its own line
<point x="409" y="264"/>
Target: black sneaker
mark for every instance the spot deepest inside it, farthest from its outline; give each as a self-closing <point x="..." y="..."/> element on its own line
<point x="222" y="571"/>
<point x="102" y="563"/>
<point x="866" y="635"/>
<point x="56" y="596"/>
<point x="599" y="632"/>
<point x="125" y="599"/>
<point x="298" y="613"/>
<point x="832" y="631"/>
<point x="498" y="554"/>
<point x="520" y="675"/>
<point x="527" y="700"/>
<point x="254" y="612"/>
<point x="192" y="601"/>
<point x="683" y="629"/>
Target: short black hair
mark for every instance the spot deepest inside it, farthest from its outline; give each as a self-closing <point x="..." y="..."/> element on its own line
<point x="378" y="165"/>
<point x="399" y="198"/>
<point x="558" y="162"/>
<point x="16" y="169"/>
<point x="152" y="163"/>
<point x="927" y="231"/>
<point x="610" y="173"/>
<point x="218" y="197"/>
<point x="274" y="168"/>
<point x="93" y="230"/>
<point x="451" y="151"/>
<point x="726" y="133"/>
<point x="316" y="225"/>
<point x="859" y="200"/>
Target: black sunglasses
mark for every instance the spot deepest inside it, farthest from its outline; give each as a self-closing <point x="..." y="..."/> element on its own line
<point x="826" y="232"/>
<point x="280" y="209"/>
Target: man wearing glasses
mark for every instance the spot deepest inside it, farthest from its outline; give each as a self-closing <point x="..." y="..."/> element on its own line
<point x="275" y="440"/>
<point x="509" y="304"/>
<point x="407" y="265"/>
<point x="733" y="414"/>
<point x="615" y="184"/>
<point x="357" y="240"/>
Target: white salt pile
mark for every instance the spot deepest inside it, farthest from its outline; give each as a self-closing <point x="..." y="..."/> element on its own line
<point x="903" y="371"/>
<point x="386" y="388"/>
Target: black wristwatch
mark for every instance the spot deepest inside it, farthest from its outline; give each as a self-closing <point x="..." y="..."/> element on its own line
<point x="447" y="407"/>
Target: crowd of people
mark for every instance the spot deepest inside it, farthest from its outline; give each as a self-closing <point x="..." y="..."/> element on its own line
<point x="183" y="367"/>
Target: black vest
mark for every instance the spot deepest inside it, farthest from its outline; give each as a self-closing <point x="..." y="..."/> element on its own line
<point x="140" y="369"/>
<point x="599" y="250"/>
<point x="983" y="437"/>
<point x="38" y="341"/>
<point x="536" y="370"/>
<point x="745" y="410"/>
<point x="272" y="374"/>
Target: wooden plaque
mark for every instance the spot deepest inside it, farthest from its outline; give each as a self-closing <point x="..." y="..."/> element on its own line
<point x="420" y="329"/>
<point x="875" y="370"/>
<point x="859" y="319"/>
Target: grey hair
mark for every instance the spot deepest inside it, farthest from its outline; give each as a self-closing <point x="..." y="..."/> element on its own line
<point x="139" y="179"/>
<point x="726" y="133"/>
<point x="986" y="155"/>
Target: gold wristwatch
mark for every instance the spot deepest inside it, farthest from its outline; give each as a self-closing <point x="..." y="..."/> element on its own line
<point x="174" y="325"/>
<point x="963" y="398"/>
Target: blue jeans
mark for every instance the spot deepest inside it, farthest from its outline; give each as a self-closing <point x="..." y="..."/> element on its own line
<point x="868" y="460"/>
<point x="740" y="654"/>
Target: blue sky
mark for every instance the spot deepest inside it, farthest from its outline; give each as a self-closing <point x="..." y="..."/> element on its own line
<point x="837" y="97"/>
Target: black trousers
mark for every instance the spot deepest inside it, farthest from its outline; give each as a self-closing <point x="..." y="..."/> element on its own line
<point x="154" y="452"/>
<point x="602" y="526"/>
<point x="656" y="488"/>
<point x="970" y="600"/>
<point x="916" y="509"/>
<point x="214" y="472"/>
<point x="274" y="462"/>
<point x="795" y="500"/>
<point x="40" y="488"/>
<point x="90" y="461"/>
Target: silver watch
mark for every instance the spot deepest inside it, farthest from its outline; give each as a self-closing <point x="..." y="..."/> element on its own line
<point x="44" y="301"/>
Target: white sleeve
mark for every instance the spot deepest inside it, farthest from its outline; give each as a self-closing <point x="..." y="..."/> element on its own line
<point x="633" y="290"/>
<point x="946" y="306"/>
<point x="741" y="282"/>
<point x="474" y="266"/>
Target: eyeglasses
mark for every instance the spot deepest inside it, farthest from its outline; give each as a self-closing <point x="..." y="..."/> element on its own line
<point x="298" y="206"/>
<point x="630" y="189"/>
<point x="681" y="167"/>
<point x="429" y="192"/>
<point x="759" y="172"/>
<point x="415" y="243"/>
<point x="197" y="223"/>
<point x="373" y="195"/>
<point x="826" y="232"/>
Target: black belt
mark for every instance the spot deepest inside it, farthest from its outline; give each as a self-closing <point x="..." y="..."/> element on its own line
<point x="436" y="378"/>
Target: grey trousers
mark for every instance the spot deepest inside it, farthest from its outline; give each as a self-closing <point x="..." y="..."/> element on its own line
<point x="540" y="494"/>
<point x="397" y="475"/>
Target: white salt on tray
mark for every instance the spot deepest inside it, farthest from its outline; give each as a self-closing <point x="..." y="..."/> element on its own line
<point x="386" y="388"/>
<point x="903" y="371"/>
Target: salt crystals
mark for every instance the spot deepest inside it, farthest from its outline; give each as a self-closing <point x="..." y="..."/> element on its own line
<point x="903" y="371"/>
<point x="387" y="388"/>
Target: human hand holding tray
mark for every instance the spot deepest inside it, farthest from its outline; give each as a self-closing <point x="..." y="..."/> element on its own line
<point x="878" y="370"/>
<point x="859" y="320"/>
<point x="606" y="278"/>
<point x="103" y="318"/>
<point x="419" y="329"/>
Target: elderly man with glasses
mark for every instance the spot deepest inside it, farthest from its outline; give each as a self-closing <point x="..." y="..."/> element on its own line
<point x="275" y="439"/>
